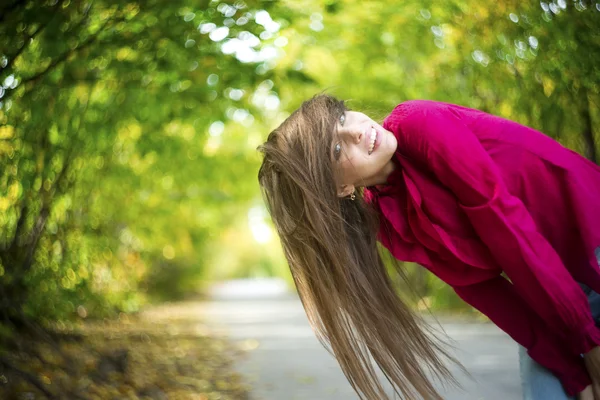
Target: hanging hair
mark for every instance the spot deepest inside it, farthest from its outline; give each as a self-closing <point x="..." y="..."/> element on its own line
<point x="330" y="245"/>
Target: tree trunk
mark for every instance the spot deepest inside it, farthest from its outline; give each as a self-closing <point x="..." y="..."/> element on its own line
<point x="588" y="131"/>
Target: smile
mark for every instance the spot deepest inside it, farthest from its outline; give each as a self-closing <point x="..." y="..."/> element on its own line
<point x="372" y="140"/>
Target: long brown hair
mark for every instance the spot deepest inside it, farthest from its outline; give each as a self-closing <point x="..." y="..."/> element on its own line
<point x="330" y="245"/>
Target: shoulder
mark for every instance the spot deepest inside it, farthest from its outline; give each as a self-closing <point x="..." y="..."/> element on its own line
<point x="427" y="124"/>
<point x="413" y="114"/>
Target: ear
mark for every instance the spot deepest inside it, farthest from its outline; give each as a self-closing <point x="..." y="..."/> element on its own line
<point x="345" y="190"/>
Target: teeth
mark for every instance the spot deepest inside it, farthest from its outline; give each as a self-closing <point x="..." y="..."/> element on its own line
<point x="372" y="141"/>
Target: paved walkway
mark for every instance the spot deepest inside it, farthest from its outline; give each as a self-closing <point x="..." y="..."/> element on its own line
<point x="285" y="361"/>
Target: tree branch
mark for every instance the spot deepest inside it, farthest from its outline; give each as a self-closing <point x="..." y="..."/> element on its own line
<point x="35" y="237"/>
<point x="20" y="225"/>
<point x="63" y="57"/>
<point x="41" y="27"/>
<point x="46" y="205"/>
<point x="588" y="133"/>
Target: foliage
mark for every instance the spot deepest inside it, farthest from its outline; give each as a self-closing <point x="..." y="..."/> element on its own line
<point x="128" y="129"/>
<point x="112" y="166"/>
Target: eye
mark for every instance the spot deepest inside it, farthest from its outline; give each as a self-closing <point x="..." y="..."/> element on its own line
<point x="337" y="150"/>
<point x="342" y="119"/>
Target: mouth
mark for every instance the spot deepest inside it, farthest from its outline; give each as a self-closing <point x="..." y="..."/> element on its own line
<point x="372" y="140"/>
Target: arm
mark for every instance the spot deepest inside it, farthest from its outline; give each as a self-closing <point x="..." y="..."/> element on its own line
<point x="519" y="321"/>
<point x="431" y="133"/>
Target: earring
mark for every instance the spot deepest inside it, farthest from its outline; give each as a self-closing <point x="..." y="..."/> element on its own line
<point x="353" y="195"/>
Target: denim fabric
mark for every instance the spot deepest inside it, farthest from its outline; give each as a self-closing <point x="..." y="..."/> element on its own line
<point x="537" y="382"/>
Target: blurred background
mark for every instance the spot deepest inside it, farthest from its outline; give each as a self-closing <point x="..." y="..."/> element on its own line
<point x="128" y="130"/>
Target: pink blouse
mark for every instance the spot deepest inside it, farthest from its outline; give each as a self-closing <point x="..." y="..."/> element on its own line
<point x="474" y="196"/>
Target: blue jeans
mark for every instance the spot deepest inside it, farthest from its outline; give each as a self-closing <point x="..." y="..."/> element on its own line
<point x="537" y="382"/>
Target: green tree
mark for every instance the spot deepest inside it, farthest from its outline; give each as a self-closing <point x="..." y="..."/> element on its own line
<point x="123" y="145"/>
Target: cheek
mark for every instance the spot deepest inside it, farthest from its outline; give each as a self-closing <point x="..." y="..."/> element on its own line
<point x="347" y="167"/>
<point x="347" y="158"/>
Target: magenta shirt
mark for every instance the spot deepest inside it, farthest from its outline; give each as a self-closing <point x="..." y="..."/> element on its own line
<point x="475" y="196"/>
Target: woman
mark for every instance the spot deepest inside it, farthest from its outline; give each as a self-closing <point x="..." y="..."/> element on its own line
<point x="502" y="213"/>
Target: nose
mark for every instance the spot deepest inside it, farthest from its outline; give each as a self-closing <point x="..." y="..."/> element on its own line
<point x="353" y="134"/>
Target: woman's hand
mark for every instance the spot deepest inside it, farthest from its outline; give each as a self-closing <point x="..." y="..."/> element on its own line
<point x="592" y="363"/>
<point x="586" y="394"/>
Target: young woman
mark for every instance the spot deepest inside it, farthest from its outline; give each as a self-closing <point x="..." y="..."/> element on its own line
<point x="505" y="215"/>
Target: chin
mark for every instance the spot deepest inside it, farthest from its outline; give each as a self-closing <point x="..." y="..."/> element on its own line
<point x="392" y="143"/>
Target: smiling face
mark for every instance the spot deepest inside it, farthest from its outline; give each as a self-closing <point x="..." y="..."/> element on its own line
<point x="361" y="152"/>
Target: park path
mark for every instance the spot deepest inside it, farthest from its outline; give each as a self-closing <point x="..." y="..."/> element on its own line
<point x="284" y="360"/>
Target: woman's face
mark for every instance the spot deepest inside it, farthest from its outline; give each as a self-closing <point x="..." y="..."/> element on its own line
<point x="361" y="152"/>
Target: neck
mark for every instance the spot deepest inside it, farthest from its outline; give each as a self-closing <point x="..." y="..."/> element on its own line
<point x="382" y="177"/>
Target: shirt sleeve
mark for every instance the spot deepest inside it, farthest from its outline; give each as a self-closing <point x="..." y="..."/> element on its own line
<point x="520" y="322"/>
<point x="434" y="135"/>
